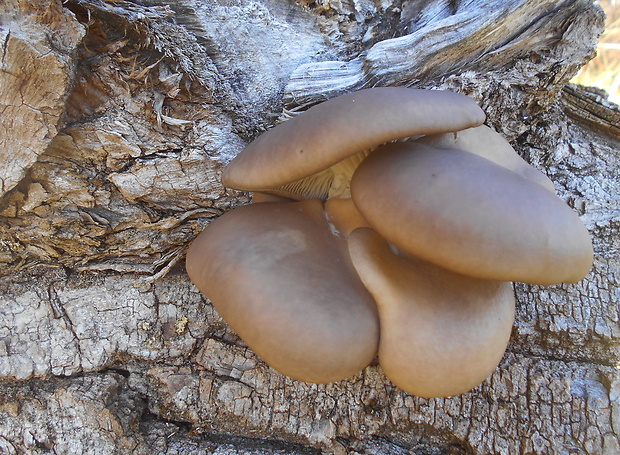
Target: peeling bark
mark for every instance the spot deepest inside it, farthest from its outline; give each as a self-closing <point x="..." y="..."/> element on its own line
<point x="37" y="73"/>
<point x="117" y="118"/>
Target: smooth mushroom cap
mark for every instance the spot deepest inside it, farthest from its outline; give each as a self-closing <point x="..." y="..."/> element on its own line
<point x="286" y="286"/>
<point x="487" y="143"/>
<point x="441" y="333"/>
<point x="331" y="131"/>
<point x="469" y="215"/>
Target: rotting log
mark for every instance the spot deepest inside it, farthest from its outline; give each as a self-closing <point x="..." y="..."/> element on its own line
<point x="117" y="118"/>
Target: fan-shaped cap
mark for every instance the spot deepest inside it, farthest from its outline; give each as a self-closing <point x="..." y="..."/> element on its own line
<point x="334" y="130"/>
<point x="441" y="333"/>
<point x="286" y="285"/>
<point x="470" y="215"/>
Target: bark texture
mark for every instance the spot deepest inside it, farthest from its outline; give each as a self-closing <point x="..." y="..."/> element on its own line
<point x="117" y="118"/>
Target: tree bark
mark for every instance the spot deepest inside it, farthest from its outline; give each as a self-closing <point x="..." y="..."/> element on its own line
<point x="117" y="118"/>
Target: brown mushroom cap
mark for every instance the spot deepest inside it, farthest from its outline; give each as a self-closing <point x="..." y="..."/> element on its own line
<point x="441" y="333"/>
<point x="487" y="143"/>
<point x="286" y="285"/>
<point x="331" y="131"/>
<point x="470" y="215"/>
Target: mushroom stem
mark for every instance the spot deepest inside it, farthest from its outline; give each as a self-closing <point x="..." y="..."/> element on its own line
<point x="342" y="214"/>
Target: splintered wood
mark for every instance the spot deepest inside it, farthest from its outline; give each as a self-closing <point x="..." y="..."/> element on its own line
<point x="116" y="120"/>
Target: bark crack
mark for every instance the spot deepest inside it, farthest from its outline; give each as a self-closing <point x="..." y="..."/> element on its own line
<point x="5" y="46"/>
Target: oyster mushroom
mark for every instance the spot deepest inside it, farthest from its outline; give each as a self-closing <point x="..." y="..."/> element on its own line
<point x="314" y="154"/>
<point x="441" y="333"/>
<point x="281" y="275"/>
<point x="469" y="215"/>
<point x="286" y="285"/>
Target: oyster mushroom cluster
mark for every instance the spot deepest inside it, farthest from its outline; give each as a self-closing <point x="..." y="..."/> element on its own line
<point x="387" y="222"/>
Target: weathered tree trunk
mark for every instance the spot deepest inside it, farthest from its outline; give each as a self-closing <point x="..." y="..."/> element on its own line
<point x="116" y="118"/>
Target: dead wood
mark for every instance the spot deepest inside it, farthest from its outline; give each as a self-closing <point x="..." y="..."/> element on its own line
<point x="116" y="119"/>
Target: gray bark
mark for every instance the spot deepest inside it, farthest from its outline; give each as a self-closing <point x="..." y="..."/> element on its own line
<point x="117" y="118"/>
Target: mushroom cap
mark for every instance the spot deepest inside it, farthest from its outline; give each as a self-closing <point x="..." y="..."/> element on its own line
<point x="441" y="333"/>
<point x="286" y="286"/>
<point x="331" y="131"/>
<point x="487" y="143"/>
<point x="467" y="214"/>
